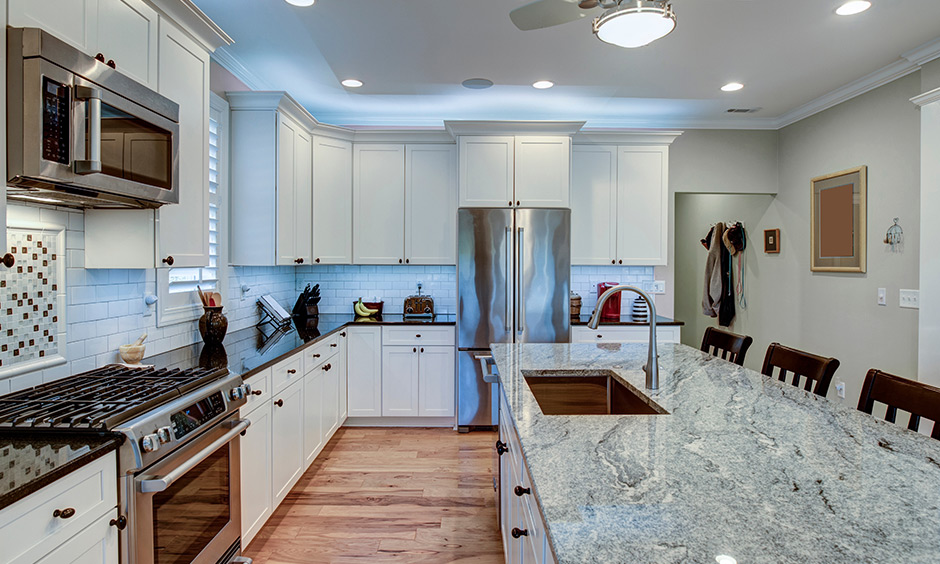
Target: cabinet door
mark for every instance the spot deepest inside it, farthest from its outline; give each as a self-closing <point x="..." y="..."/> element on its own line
<point x="364" y="372"/>
<point x="594" y="204"/>
<point x="642" y="205"/>
<point x="73" y="22"/>
<point x="341" y="374"/>
<point x="314" y="405"/>
<point x="436" y="374"/>
<point x="332" y="201"/>
<point x="95" y="544"/>
<point x="486" y="171"/>
<point x="183" y="76"/>
<point x="287" y="135"/>
<point x="379" y="204"/>
<point x="431" y="204"/>
<point x="303" y="197"/>
<point x="330" y="412"/>
<point x="543" y="172"/>
<point x="127" y="34"/>
<point x="256" y="460"/>
<point x="287" y="440"/>
<point x="399" y="381"/>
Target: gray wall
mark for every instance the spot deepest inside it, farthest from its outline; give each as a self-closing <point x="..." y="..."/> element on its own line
<point x="724" y="161"/>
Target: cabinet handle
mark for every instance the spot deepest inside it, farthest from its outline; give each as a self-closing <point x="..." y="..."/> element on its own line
<point x="111" y="63"/>
<point x="279" y="403"/>
<point x="99" y="57"/>
<point x="600" y="336"/>
<point x="399" y="261"/>
<point x="517" y="203"/>
<point x="327" y="366"/>
<point x="510" y="204"/>
<point x="520" y="491"/>
<point x="418" y="336"/>
<point x="316" y="355"/>
<point x="407" y="261"/>
<point x="422" y="349"/>
<point x="317" y="260"/>
<point x="168" y="260"/>
<point x="334" y="344"/>
<point x="64" y="513"/>
<point x="620" y="261"/>
<point x="501" y="447"/>
<point x="120" y="523"/>
<point x="612" y="261"/>
<point x="517" y="532"/>
<point x="255" y="392"/>
<point x="8" y="260"/>
<point x="414" y="349"/>
<point x="299" y="261"/>
<point x="343" y="334"/>
<point x="292" y="371"/>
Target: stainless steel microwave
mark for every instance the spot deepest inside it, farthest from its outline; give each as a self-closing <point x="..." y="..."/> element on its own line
<point x="81" y="134"/>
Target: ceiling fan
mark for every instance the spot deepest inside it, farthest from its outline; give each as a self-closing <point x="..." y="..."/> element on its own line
<point x="626" y="23"/>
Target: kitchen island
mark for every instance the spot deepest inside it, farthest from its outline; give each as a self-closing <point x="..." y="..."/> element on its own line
<point x="741" y="466"/>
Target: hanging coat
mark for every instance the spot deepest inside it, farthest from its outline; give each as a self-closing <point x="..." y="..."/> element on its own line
<point x="711" y="297"/>
<point x="726" y="303"/>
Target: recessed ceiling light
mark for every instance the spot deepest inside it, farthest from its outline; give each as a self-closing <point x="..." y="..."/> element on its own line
<point x="301" y="3"/>
<point x="853" y="7"/>
<point x="477" y="83"/>
<point x="732" y="87"/>
<point x="725" y="559"/>
<point x="351" y="83"/>
<point x="542" y="84"/>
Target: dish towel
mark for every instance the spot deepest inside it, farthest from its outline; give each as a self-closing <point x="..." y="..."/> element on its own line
<point x="711" y="298"/>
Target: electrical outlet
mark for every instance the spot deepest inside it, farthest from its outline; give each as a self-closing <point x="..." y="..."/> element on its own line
<point x="882" y="297"/>
<point x="840" y="389"/>
<point x="658" y="287"/>
<point x="910" y="299"/>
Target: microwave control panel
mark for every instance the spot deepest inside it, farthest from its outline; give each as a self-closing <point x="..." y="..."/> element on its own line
<point x="55" y="121"/>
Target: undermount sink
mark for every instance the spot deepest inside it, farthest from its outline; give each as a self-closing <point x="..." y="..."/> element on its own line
<point x="595" y="392"/>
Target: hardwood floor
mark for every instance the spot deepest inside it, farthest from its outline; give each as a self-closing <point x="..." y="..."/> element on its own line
<point x="389" y="495"/>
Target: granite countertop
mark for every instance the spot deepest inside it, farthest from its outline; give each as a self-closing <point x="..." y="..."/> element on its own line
<point x="626" y="320"/>
<point x="30" y="461"/>
<point x="742" y="465"/>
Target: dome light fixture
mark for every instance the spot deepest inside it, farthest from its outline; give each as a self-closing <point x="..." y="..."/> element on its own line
<point x="351" y="83"/>
<point x="301" y="3"/>
<point x="853" y="7"/>
<point x="732" y="87"/>
<point x="635" y="23"/>
<point x="542" y="84"/>
<point x="725" y="559"/>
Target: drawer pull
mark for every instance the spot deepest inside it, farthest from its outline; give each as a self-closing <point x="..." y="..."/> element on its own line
<point x="279" y="403"/>
<point x="292" y="371"/>
<point x="600" y="336"/>
<point x="255" y="392"/>
<point x="343" y="334"/>
<point x="417" y="336"/>
<point x="120" y="523"/>
<point x="316" y="355"/>
<point x="414" y="349"/>
<point x="422" y="349"/>
<point x="520" y="491"/>
<point x="517" y="532"/>
<point x="327" y="366"/>
<point x="64" y="513"/>
<point x="501" y="447"/>
<point x="334" y="344"/>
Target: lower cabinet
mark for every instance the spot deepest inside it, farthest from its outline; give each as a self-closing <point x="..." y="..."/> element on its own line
<point x="257" y="497"/>
<point x="287" y="440"/>
<point x="315" y="403"/>
<point x="436" y="377"/>
<point x="624" y="334"/>
<point x="364" y="371"/>
<point x="399" y="381"/>
<point x="96" y="544"/>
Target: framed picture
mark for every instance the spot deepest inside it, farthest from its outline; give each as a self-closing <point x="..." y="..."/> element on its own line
<point x="771" y="240"/>
<point x="839" y="235"/>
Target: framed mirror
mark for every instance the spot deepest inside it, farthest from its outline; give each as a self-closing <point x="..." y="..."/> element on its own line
<point x="838" y="221"/>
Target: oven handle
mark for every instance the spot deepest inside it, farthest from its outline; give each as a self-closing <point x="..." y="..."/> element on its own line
<point x="161" y="484"/>
<point x="93" y="163"/>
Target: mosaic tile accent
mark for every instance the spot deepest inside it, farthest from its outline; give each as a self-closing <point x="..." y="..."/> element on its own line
<point x="29" y="308"/>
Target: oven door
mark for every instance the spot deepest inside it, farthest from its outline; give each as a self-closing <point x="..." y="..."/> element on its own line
<point x="188" y="506"/>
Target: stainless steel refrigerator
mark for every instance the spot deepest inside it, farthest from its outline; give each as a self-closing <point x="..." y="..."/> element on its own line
<point x="513" y="270"/>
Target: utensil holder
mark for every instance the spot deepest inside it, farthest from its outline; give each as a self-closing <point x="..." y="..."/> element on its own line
<point x="213" y="325"/>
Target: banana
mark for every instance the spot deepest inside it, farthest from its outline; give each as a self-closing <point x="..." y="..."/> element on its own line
<point x="369" y="310"/>
<point x="357" y="307"/>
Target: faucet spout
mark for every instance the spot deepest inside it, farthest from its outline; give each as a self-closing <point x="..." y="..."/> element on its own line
<point x="652" y="362"/>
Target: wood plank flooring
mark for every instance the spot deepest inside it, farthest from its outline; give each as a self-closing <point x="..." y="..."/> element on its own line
<point x="389" y="495"/>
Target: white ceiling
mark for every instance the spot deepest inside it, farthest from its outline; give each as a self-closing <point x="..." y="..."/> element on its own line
<point x="413" y="54"/>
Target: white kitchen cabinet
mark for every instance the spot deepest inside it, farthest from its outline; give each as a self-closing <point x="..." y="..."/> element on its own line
<point x="620" y="205"/>
<point x="96" y="544"/>
<point x="341" y="375"/>
<point x="127" y="34"/>
<point x="486" y="171"/>
<point x="436" y="378"/>
<point x="364" y="371"/>
<point x="542" y="171"/>
<point x="329" y="412"/>
<point x="332" y="201"/>
<point x="74" y="22"/>
<point x="399" y="381"/>
<point x="315" y="402"/>
<point x="287" y="440"/>
<point x="431" y="204"/>
<point x="257" y="495"/>
<point x="624" y="334"/>
<point x="293" y="193"/>
<point x="378" y="204"/>
<point x="183" y="76"/>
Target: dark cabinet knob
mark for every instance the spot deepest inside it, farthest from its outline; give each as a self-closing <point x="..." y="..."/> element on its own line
<point x="64" y="513"/>
<point x="168" y="261"/>
<point x="334" y="345"/>
<point x="600" y="336"/>
<point x="120" y="523"/>
<point x="317" y="260"/>
<point x="292" y="371"/>
<point x="343" y="334"/>
<point x="418" y="336"/>
<point x="620" y="261"/>
<point x="612" y="261"/>
<point x="327" y="367"/>
<point x="517" y="532"/>
<point x="299" y="261"/>
<point x="279" y="403"/>
<point x="422" y="349"/>
<point x="510" y="204"/>
<point x="99" y="57"/>
<point x="399" y="261"/>
<point x="501" y="447"/>
<point x="111" y="63"/>
<point x="8" y="260"/>
<point x="407" y="261"/>
<point x="255" y="392"/>
<point x="316" y="355"/>
<point x="517" y="203"/>
<point x="414" y="349"/>
<point x="520" y="491"/>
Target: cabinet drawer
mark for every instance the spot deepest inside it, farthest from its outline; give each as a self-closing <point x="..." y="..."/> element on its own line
<point x="287" y="372"/>
<point x="413" y="335"/>
<point x="28" y="529"/>
<point x="624" y="334"/>
<point x="317" y="354"/>
<point x="260" y="382"/>
<point x="96" y="544"/>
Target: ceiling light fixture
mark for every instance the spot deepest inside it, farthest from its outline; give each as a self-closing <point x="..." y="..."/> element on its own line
<point x="853" y="7"/>
<point x="301" y="3"/>
<point x="542" y="84"/>
<point x="477" y="83"/>
<point x="635" y="23"/>
<point x="732" y="87"/>
<point x="351" y="83"/>
<point x="725" y="559"/>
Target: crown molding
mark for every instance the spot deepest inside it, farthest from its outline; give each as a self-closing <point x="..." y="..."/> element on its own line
<point x="927" y="97"/>
<point x="402" y="135"/>
<point x="230" y="63"/>
<point x="473" y="127"/>
<point x="925" y="53"/>
<point x="270" y="101"/>
<point x="195" y="22"/>
<point x="596" y="136"/>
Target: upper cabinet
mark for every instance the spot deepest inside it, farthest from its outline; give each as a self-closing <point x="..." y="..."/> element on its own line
<point x="271" y="181"/>
<point x="405" y="204"/>
<point x="619" y="205"/>
<point x="74" y="22"/>
<point x="514" y="171"/>
<point x="332" y="201"/>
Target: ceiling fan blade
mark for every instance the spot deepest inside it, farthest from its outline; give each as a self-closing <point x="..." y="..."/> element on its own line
<point x="547" y="13"/>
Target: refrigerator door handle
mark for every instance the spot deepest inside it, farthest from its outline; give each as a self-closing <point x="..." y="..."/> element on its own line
<point x="520" y="283"/>
<point x="488" y="364"/>
<point x="508" y="279"/>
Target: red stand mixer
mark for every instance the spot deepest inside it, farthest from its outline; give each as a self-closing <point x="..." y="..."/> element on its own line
<point x="611" y="311"/>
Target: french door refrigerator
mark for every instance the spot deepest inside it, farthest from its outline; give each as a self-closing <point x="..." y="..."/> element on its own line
<point x="513" y="270"/>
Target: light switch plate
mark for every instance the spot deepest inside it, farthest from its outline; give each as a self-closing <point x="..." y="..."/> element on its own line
<point x="658" y="287"/>
<point x="882" y="297"/>
<point x="910" y="299"/>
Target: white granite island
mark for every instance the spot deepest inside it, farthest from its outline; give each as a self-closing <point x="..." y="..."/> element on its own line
<point x="742" y="466"/>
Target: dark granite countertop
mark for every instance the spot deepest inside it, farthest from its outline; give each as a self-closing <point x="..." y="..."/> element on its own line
<point x="30" y="461"/>
<point x="625" y="320"/>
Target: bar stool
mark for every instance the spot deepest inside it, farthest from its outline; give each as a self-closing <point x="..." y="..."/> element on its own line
<point x="726" y="345"/>
<point x="814" y="368"/>
<point x="918" y="399"/>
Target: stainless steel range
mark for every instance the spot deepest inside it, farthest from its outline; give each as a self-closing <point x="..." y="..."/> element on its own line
<point x="179" y="466"/>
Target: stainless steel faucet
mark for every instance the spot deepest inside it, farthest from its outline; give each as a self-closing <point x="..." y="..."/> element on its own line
<point x="652" y="362"/>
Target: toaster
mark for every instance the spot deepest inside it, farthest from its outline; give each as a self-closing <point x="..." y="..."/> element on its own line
<point x="419" y="305"/>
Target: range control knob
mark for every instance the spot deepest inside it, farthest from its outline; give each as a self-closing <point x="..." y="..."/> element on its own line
<point x="150" y="443"/>
<point x="237" y="393"/>
<point x="163" y="435"/>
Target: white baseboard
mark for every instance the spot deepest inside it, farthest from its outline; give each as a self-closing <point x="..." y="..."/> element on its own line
<point x="399" y="422"/>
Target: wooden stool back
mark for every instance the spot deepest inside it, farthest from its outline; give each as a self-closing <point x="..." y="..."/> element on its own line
<point x="726" y="345"/>
<point x="918" y="399"/>
<point x="816" y="369"/>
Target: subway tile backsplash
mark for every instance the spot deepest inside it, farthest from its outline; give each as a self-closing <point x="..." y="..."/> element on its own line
<point x="584" y="280"/>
